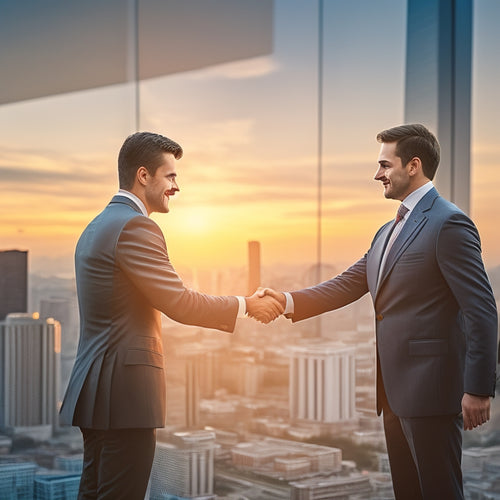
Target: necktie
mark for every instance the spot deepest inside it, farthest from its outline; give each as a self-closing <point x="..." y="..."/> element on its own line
<point x="402" y="210"/>
<point x="391" y="236"/>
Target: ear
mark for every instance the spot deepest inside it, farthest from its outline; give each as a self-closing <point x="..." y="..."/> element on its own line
<point x="142" y="175"/>
<point x="414" y="166"/>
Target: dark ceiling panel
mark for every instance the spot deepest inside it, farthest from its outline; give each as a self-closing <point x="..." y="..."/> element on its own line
<point x="59" y="46"/>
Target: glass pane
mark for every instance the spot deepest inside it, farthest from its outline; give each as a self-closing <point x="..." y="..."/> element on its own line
<point x="248" y="128"/>
<point x="485" y="175"/>
<point x="485" y="125"/>
<point x="364" y="72"/>
<point x="58" y="170"/>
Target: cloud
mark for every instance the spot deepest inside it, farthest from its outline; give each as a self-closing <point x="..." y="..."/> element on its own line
<point x="40" y="178"/>
<point x="32" y="175"/>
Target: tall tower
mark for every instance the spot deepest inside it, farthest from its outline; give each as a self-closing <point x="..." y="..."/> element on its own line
<point x="253" y="266"/>
<point x="13" y="282"/>
<point x="184" y="466"/>
<point x="29" y="373"/>
<point x="322" y="383"/>
<point x="438" y="86"/>
<point x="183" y="391"/>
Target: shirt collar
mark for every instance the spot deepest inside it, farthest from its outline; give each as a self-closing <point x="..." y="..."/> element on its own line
<point x="135" y="199"/>
<point x="410" y="202"/>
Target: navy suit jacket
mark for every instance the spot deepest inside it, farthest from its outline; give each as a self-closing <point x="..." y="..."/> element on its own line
<point x="436" y="318"/>
<point x="124" y="280"/>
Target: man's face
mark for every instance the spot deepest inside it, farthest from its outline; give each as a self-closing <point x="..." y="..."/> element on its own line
<point x="392" y="174"/>
<point x="161" y="186"/>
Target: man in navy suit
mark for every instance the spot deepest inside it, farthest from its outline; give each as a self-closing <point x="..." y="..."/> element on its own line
<point x="436" y="319"/>
<point x="116" y="392"/>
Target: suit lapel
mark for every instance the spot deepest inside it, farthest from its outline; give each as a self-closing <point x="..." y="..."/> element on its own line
<point x="376" y="254"/>
<point x="411" y="229"/>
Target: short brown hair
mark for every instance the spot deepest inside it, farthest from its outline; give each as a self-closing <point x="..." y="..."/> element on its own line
<point x="143" y="149"/>
<point x="412" y="141"/>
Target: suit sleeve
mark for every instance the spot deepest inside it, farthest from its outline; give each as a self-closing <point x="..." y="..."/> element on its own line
<point x="459" y="258"/>
<point x="332" y="294"/>
<point x="141" y="254"/>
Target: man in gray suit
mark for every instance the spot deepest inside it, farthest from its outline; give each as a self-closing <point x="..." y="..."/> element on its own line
<point x="436" y="319"/>
<point x="116" y="393"/>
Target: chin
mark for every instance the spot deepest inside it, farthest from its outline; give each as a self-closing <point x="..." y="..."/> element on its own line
<point x="161" y="210"/>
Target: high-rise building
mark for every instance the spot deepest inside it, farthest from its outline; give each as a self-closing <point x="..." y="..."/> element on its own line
<point x="322" y="382"/>
<point x="29" y="373"/>
<point x="438" y="86"/>
<point x="13" y="282"/>
<point x="339" y="487"/>
<point x="16" y="480"/>
<point x="70" y="463"/>
<point x="290" y="458"/>
<point x="56" y="487"/>
<point x="183" y="390"/>
<point x="184" y="466"/>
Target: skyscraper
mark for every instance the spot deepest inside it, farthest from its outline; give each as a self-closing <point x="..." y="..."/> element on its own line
<point x="184" y="466"/>
<point x="183" y="392"/>
<point x="29" y="373"/>
<point x="16" y="480"/>
<point x="13" y="282"/>
<point x="438" y="86"/>
<point x="322" y="382"/>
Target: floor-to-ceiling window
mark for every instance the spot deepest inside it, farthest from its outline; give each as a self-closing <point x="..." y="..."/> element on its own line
<point x="276" y="103"/>
<point x="485" y="172"/>
<point x="258" y="132"/>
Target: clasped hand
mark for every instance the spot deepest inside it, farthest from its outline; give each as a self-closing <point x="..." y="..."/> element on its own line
<point x="265" y="305"/>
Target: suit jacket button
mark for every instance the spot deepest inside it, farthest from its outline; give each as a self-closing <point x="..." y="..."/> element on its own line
<point x="380" y="317"/>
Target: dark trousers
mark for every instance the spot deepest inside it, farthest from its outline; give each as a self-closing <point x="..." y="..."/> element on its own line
<point x="425" y="456"/>
<point x="116" y="463"/>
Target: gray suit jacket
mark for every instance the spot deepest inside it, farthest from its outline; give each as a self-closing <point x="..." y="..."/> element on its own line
<point x="436" y="318"/>
<point x="124" y="279"/>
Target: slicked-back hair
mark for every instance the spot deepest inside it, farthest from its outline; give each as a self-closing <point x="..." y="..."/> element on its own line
<point x="143" y="149"/>
<point x="412" y="141"/>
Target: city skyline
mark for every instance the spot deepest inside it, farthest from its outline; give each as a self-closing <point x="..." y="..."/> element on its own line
<point x="277" y="105"/>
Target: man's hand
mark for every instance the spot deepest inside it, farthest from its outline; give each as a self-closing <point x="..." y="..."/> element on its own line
<point x="262" y="307"/>
<point x="475" y="410"/>
<point x="279" y="296"/>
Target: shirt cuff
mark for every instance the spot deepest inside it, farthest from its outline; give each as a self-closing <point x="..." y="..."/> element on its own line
<point x="289" y="306"/>
<point x="242" y="307"/>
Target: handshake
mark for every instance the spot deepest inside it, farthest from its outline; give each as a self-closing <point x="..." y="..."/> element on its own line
<point x="265" y="305"/>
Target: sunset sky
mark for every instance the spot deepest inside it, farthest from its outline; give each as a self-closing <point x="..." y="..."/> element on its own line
<point x="249" y="132"/>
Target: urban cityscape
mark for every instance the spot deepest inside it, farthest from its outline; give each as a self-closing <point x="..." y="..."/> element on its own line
<point x="276" y="104"/>
<point x="270" y="412"/>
